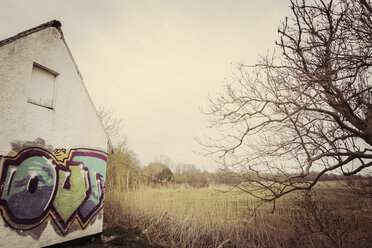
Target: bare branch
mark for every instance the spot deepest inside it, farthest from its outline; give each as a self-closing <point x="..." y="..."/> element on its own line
<point x="308" y="108"/>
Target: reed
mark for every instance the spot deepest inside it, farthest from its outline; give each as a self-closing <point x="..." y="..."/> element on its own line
<point x="180" y="216"/>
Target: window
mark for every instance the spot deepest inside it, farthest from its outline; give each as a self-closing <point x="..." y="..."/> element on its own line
<point x="41" y="89"/>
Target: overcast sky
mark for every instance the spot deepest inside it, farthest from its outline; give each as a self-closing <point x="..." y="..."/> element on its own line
<point x="156" y="61"/>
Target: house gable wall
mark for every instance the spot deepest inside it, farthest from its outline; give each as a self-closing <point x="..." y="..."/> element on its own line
<point x="66" y="141"/>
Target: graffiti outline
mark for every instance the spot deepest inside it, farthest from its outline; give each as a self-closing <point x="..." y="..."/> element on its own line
<point x="79" y="159"/>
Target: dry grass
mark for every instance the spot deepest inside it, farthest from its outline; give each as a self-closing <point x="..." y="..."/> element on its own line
<point x="178" y="216"/>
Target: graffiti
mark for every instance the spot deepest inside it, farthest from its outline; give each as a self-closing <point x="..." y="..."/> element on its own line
<point x="59" y="151"/>
<point x="66" y="186"/>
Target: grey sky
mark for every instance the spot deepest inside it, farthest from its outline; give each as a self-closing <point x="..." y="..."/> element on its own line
<point x="156" y="61"/>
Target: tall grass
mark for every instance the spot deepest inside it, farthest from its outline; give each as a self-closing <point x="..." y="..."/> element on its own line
<point x="178" y="216"/>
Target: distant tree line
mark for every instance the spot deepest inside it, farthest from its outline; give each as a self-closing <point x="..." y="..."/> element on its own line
<point x="234" y="178"/>
<point x="124" y="170"/>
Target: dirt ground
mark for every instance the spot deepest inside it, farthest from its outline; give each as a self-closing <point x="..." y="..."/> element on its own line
<point x="119" y="237"/>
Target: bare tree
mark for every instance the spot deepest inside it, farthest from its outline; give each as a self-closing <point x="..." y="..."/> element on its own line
<point x="360" y="187"/>
<point x="123" y="166"/>
<point x="164" y="159"/>
<point x="112" y="125"/>
<point x="306" y="107"/>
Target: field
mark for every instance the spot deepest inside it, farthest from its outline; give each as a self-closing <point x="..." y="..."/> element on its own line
<point x="180" y="216"/>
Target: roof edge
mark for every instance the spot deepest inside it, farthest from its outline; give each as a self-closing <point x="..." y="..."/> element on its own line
<point x="57" y="24"/>
<point x="54" y="23"/>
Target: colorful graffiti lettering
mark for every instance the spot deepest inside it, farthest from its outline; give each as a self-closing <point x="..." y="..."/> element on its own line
<point x="66" y="185"/>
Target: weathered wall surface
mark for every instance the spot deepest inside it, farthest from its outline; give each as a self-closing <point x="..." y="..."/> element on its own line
<point x="52" y="160"/>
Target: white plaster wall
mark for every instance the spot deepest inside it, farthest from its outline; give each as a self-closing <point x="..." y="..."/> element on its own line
<point x="20" y="239"/>
<point x="72" y="123"/>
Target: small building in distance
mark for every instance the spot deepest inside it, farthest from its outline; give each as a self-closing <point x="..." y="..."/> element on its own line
<point x="53" y="147"/>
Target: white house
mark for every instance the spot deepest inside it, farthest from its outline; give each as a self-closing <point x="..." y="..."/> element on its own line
<point x="53" y="147"/>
